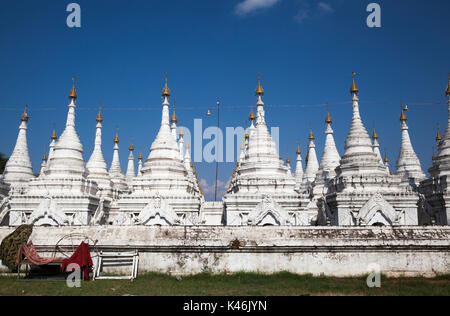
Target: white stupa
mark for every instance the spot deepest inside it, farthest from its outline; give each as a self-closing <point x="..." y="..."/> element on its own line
<point x="434" y="205"/>
<point x="165" y="179"/>
<point x="329" y="162"/>
<point x="18" y="169"/>
<point x="262" y="189"/>
<point x="298" y="170"/>
<point x="130" y="174"/>
<point x="312" y="164"/>
<point x="115" y="170"/>
<point x="376" y="146"/>
<point x="363" y="193"/>
<point x="96" y="166"/>
<point x="408" y="164"/>
<point x="64" y="185"/>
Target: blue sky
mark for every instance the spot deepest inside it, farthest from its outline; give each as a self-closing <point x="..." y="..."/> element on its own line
<point x="304" y="49"/>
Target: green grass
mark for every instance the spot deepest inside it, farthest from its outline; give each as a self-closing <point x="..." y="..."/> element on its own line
<point x="229" y="285"/>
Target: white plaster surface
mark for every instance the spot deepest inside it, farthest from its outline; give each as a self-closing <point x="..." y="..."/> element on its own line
<point x="333" y="251"/>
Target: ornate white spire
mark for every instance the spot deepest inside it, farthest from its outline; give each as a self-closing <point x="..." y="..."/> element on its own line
<point x="181" y="142"/>
<point x="261" y="146"/>
<point x="246" y="140"/>
<point x="173" y="122"/>
<point x="376" y="145"/>
<point x="130" y="175"/>
<point x="288" y="164"/>
<point x="359" y="158"/>
<point x="408" y="164"/>
<point x="386" y="163"/>
<point x="330" y="158"/>
<point x="52" y="144"/>
<point x="299" y="167"/>
<point x="242" y="153"/>
<point x="262" y="169"/>
<point x="251" y="118"/>
<point x="18" y="169"/>
<point x="140" y="165"/>
<point x="115" y="171"/>
<point x="67" y="159"/>
<point x="43" y="165"/>
<point x="115" y="168"/>
<point x="187" y="160"/>
<point x="164" y="165"/>
<point x="438" y="136"/>
<point x="260" y="115"/>
<point x="96" y="166"/>
<point x="312" y="165"/>
<point x="441" y="164"/>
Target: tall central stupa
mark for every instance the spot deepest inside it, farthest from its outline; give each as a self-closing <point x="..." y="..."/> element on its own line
<point x="262" y="189"/>
<point x="164" y="180"/>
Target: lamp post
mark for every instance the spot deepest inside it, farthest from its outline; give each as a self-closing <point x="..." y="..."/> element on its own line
<point x="217" y="147"/>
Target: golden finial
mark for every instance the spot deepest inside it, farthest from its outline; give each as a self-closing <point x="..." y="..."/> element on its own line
<point x="44" y="158"/>
<point x="73" y="93"/>
<point x="288" y="160"/>
<point x="24" y="117"/>
<point x="354" y="88"/>
<point x="131" y="148"/>
<point x="247" y="136"/>
<point x="116" y="139"/>
<point x="402" y="115"/>
<point x="447" y="92"/>
<point x="311" y="135"/>
<point x="391" y="173"/>
<point x="187" y="146"/>
<point x="54" y="135"/>
<point x="259" y="89"/>
<point x="438" y="136"/>
<point x="166" y="91"/>
<point x="99" y="118"/>
<point x="251" y="117"/>
<point x="307" y="157"/>
<point x="174" y="118"/>
<point x="140" y="157"/>
<point x="374" y="135"/>
<point x="298" y="150"/>
<point x="191" y="164"/>
<point x="433" y="158"/>
<point x="328" y="119"/>
<point x="386" y="160"/>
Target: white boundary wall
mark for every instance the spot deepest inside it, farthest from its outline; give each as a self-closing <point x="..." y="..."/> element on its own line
<point x="333" y="251"/>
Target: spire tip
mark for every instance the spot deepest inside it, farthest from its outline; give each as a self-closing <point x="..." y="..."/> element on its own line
<point x="354" y="89"/>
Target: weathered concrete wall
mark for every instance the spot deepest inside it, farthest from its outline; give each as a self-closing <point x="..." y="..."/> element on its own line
<point x="332" y="251"/>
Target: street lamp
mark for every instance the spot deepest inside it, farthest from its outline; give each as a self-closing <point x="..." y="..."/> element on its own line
<point x="217" y="147"/>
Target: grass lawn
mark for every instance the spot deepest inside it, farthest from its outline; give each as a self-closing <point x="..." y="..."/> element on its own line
<point x="229" y="285"/>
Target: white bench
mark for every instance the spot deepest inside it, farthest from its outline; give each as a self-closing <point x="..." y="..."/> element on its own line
<point x="116" y="259"/>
